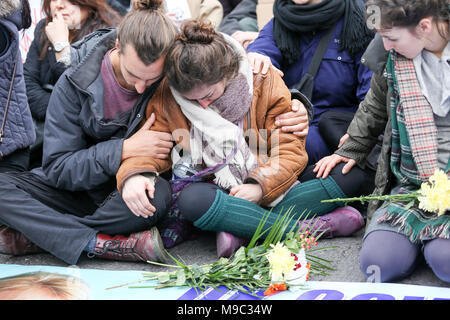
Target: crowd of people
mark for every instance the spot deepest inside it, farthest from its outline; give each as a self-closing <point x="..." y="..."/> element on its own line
<point x="127" y="130"/>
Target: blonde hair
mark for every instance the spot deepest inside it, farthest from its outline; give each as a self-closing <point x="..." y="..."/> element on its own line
<point x="62" y="286"/>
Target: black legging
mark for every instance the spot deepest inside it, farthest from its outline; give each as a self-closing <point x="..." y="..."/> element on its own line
<point x="333" y="125"/>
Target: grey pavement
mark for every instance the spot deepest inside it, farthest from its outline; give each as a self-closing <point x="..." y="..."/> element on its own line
<point x="345" y="259"/>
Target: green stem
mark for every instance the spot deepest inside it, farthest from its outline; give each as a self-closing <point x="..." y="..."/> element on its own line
<point x="388" y="197"/>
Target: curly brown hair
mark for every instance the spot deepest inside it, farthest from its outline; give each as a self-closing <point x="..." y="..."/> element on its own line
<point x="200" y="56"/>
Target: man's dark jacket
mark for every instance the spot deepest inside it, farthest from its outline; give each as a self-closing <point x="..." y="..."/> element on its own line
<point x="82" y="150"/>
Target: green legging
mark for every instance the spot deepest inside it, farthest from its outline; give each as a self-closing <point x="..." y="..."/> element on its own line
<point x="241" y="217"/>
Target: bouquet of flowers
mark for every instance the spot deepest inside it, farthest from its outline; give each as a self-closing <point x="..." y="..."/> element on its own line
<point x="273" y="265"/>
<point x="433" y="195"/>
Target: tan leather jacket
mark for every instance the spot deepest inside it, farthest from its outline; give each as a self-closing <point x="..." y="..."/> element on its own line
<point x="285" y="158"/>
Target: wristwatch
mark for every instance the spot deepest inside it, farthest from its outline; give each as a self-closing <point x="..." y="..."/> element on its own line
<point x="59" y="46"/>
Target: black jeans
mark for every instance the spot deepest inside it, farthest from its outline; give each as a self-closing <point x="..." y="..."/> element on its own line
<point x="62" y="222"/>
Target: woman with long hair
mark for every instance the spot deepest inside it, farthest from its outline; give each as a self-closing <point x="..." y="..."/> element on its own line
<point x="409" y="102"/>
<point x="66" y="22"/>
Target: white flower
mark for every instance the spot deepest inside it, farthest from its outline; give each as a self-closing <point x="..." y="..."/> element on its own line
<point x="281" y="262"/>
<point x="299" y="275"/>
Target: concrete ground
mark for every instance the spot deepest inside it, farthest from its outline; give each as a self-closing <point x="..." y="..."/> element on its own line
<point x="203" y="250"/>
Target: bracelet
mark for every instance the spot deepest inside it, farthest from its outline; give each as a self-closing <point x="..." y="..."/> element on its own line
<point x="65" y="58"/>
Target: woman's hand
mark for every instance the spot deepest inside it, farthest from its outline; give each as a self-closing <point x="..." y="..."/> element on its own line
<point x="261" y="63"/>
<point x="295" y="121"/>
<point x="343" y="139"/>
<point x="57" y="30"/>
<point x="324" y="166"/>
<point x="134" y="193"/>
<point x="250" y="192"/>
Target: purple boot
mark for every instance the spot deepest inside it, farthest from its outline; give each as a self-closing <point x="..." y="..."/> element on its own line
<point x="341" y="222"/>
<point x="227" y="244"/>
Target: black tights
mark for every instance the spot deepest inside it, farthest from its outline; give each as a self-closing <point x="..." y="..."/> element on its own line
<point x="351" y="183"/>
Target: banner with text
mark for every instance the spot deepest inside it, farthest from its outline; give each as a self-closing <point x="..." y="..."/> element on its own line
<point x="116" y="285"/>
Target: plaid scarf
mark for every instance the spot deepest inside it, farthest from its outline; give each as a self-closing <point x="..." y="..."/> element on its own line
<point x="414" y="151"/>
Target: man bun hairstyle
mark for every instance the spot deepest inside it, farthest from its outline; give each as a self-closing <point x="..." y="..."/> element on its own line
<point x="200" y="56"/>
<point x="148" y="30"/>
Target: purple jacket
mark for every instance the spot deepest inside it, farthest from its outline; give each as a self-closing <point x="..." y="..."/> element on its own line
<point x="341" y="81"/>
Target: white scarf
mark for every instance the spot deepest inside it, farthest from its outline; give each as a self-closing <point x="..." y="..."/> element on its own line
<point x="213" y="138"/>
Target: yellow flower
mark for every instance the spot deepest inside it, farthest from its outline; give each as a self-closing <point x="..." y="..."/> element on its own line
<point x="435" y="195"/>
<point x="281" y="261"/>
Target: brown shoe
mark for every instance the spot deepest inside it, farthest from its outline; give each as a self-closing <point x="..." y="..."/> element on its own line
<point x="141" y="246"/>
<point x="15" y="243"/>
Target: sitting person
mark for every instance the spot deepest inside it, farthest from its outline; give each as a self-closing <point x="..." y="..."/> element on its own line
<point x="49" y="53"/>
<point x="70" y="204"/>
<point x="16" y="125"/>
<point x="409" y="101"/>
<point x="210" y="102"/>
<point x="289" y="42"/>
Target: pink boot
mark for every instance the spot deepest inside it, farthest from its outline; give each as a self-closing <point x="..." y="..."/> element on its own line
<point x="341" y="222"/>
<point x="227" y="244"/>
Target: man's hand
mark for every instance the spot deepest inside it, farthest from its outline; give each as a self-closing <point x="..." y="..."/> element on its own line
<point x="250" y="192"/>
<point x="295" y="121"/>
<point x="134" y="193"/>
<point x="261" y="63"/>
<point x="324" y="166"/>
<point x="147" y="143"/>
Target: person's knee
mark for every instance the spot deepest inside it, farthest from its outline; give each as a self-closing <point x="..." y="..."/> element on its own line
<point x="387" y="256"/>
<point x="196" y="199"/>
<point x="350" y="183"/>
<point x="437" y="255"/>
<point x="326" y="122"/>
